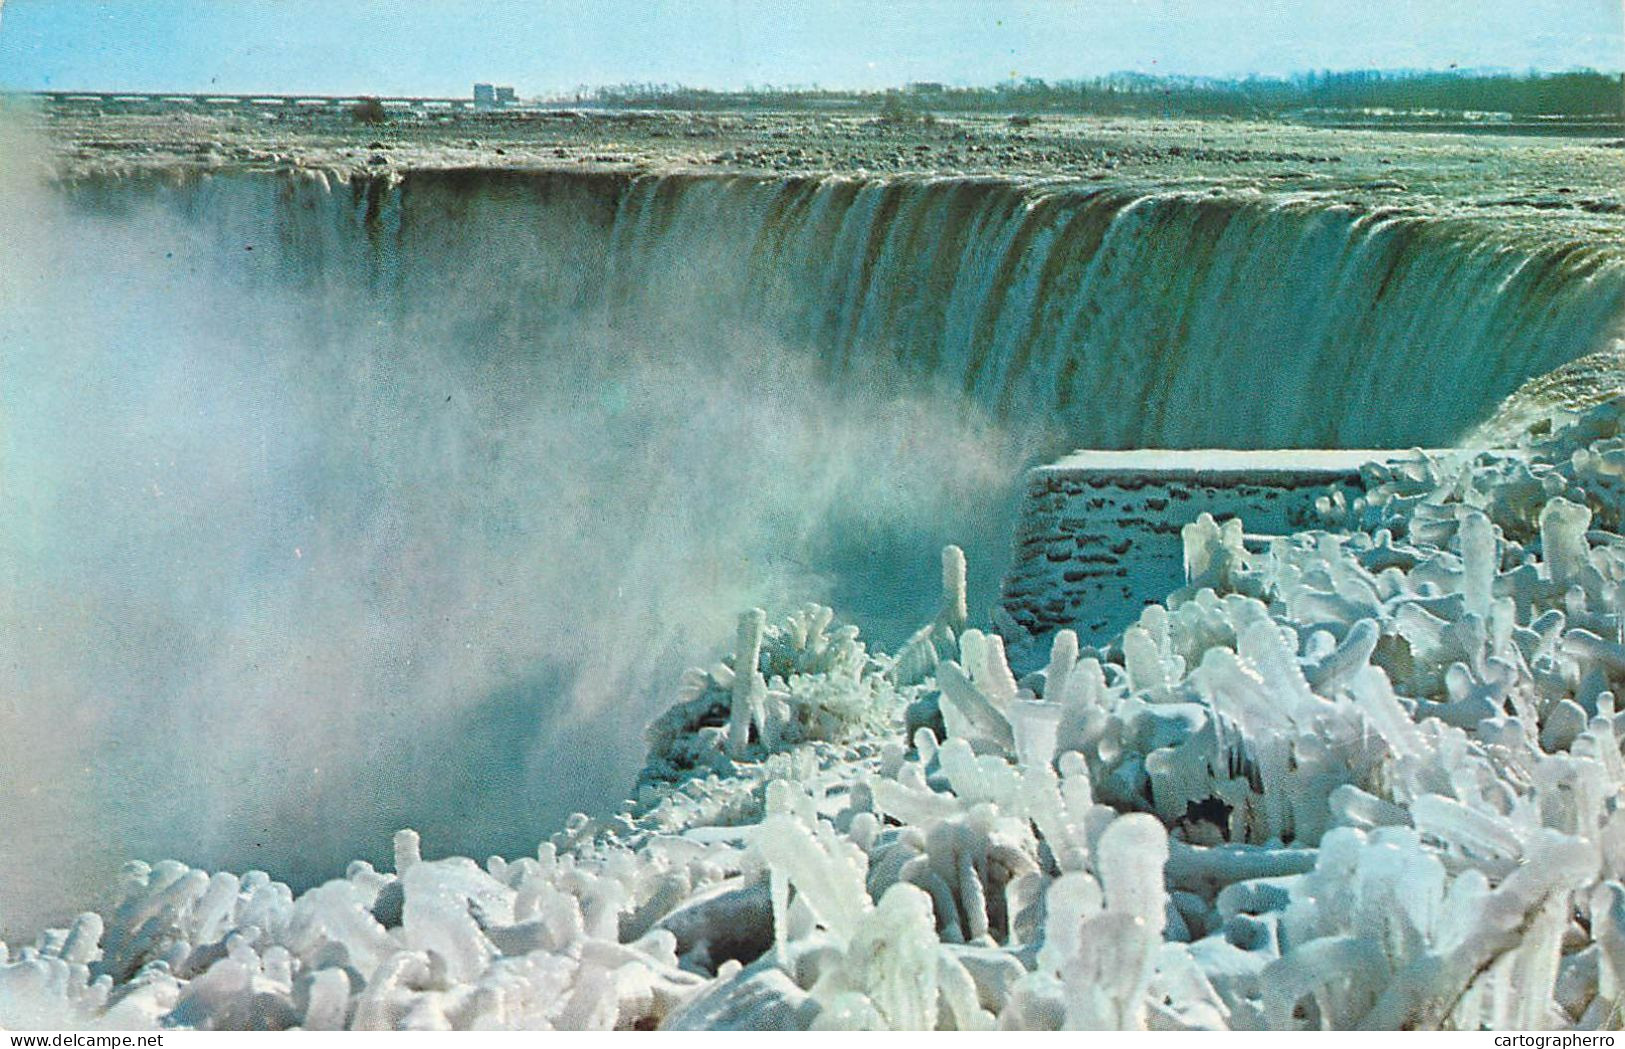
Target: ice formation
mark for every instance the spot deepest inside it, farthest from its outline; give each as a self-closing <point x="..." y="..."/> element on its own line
<point x="1367" y="776"/>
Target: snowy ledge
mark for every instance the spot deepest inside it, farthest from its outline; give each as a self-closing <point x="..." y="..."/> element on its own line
<point x="1284" y="467"/>
<point x="1099" y="537"/>
<point x="1367" y="774"/>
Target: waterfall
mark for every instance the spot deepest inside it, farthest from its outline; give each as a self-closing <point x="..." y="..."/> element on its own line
<point x="1122" y="317"/>
<point x="1135" y="318"/>
<point x="385" y="488"/>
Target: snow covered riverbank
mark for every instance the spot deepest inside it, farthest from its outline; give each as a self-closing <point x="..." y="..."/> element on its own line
<point x="1370" y="777"/>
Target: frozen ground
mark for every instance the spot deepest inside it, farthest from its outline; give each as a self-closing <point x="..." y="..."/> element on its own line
<point x="1571" y="183"/>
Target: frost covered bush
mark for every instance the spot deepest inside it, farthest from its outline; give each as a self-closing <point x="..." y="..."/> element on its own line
<point x="1369" y="776"/>
<point x="805" y="683"/>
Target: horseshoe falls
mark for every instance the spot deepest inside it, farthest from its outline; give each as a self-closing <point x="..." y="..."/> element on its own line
<point x="431" y="486"/>
<point x="1115" y="317"/>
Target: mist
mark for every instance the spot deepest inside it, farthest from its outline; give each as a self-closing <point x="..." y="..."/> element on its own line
<point x="295" y="555"/>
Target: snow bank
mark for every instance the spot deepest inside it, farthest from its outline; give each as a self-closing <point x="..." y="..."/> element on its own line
<point x="1367" y="777"/>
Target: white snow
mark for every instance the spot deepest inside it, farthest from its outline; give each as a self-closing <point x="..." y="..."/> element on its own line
<point x="1366" y="777"/>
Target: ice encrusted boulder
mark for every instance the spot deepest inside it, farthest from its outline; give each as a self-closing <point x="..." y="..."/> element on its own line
<point x="1369" y="776"/>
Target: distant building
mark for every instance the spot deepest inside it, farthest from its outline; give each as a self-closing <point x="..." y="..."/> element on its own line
<point x="489" y="96"/>
<point x="926" y="87"/>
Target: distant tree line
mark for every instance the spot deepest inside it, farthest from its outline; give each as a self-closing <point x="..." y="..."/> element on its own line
<point x="1574" y="94"/>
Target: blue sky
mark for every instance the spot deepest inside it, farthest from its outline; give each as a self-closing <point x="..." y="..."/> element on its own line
<point x="441" y="46"/>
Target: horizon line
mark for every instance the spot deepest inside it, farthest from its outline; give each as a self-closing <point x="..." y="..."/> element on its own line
<point x="1192" y="79"/>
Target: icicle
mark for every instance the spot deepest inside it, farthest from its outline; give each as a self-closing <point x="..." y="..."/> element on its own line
<point x="955" y="608"/>
<point x="748" y="689"/>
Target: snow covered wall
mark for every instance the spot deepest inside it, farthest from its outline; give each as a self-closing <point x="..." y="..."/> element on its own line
<point x="1099" y="537"/>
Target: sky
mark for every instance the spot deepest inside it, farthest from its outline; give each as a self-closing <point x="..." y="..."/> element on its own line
<point x="440" y="47"/>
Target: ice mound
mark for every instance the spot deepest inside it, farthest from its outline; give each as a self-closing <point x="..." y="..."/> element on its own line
<point x="1369" y="776"/>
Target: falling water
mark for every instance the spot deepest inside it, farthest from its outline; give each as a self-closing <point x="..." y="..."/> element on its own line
<point x="347" y="505"/>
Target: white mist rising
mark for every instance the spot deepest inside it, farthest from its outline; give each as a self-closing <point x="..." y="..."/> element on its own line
<point x="289" y="565"/>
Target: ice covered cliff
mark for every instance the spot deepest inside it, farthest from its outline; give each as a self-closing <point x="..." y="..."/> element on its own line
<point x="1368" y="777"/>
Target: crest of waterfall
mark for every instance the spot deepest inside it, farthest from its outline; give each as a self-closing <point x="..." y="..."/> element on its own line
<point x="1126" y="317"/>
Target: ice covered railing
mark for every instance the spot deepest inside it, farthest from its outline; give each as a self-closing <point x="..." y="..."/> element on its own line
<point x="1366" y="776"/>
